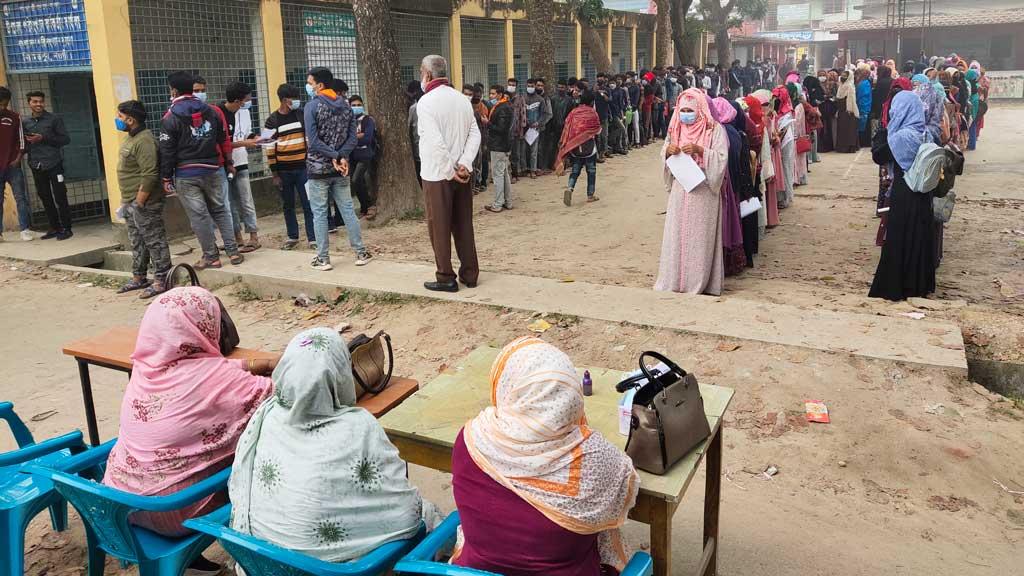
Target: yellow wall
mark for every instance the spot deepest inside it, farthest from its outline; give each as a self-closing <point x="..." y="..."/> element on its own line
<point x="455" y="49"/>
<point x="113" y="74"/>
<point x="510" y="60"/>
<point x="273" y="45"/>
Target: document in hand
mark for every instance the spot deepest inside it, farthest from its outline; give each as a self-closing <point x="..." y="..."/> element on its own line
<point x="531" y="136"/>
<point x="268" y="137"/>
<point x="687" y="172"/>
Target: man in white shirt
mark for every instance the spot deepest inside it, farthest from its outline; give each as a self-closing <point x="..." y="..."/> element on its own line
<point x="448" y="143"/>
<point x="237" y="190"/>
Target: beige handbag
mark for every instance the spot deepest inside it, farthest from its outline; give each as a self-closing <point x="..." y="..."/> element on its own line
<point x="371" y="364"/>
<point x="668" y="416"/>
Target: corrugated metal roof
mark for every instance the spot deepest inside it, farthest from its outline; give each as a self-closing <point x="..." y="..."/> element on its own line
<point x="979" y="18"/>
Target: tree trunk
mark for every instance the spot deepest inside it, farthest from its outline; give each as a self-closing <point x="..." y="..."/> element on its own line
<point x="542" y="44"/>
<point x="593" y="39"/>
<point x="665" y="33"/>
<point x="398" y="193"/>
<point x="678" y="9"/>
<point x="723" y="46"/>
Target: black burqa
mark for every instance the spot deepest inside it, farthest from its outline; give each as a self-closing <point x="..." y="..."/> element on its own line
<point x="741" y="178"/>
<point x="880" y="92"/>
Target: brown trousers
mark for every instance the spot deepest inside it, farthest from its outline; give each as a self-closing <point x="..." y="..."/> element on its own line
<point x="450" y="215"/>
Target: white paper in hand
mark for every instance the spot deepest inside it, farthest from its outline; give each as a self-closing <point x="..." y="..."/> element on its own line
<point x="531" y="136"/>
<point x="686" y="171"/>
<point x="268" y="137"/>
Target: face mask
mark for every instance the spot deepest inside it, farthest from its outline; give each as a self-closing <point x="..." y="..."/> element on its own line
<point x="201" y="96"/>
<point x="540" y="91"/>
<point x="530" y="90"/>
<point x="687" y="117"/>
<point x="492" y="101"/>
<point x="510" y="89"/>
<point x="358" y="110"/>
<point x="612" y="85"/>
<point x="121" y="125"/>
<point x="672" y="79"/>
<point x="294" y="104"/>
<point x="310" y="90"/>
<point x="247" y="105"/>
<point x="644" y="82"/>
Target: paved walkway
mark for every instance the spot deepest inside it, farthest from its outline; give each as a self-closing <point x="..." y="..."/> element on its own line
<point x="85" y="248"/>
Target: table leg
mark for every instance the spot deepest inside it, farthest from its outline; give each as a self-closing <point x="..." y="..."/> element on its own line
<point x="712" y="499"/>
<point x="90" y="407"/>
<point x="661" y="536"/>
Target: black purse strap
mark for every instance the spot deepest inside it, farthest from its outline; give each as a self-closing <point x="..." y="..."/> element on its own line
<point x="672" y="366"/>
<point x="192" y="274"/>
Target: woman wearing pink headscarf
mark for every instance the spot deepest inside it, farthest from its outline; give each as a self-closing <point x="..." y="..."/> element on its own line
<point x="787" y="137"/>
<point x="691" y="251"/>
<point x="185" y="406"/>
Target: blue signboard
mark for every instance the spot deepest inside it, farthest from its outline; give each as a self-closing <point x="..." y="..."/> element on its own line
<point x="46" y="36"/>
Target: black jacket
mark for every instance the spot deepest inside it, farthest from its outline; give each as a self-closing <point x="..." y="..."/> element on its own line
<point x="192" y="134"/>
<point x="47" y="154"/>
<point x="499" y="130"/>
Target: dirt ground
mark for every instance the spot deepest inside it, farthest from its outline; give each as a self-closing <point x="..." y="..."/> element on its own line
<point x="902" y="480"/>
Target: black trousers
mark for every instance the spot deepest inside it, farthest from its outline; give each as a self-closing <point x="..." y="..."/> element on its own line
<point x="362" y="183"/>
<point x="54" y="193"/>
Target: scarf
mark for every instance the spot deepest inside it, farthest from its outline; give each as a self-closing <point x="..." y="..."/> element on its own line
<point x="906" y="128"/>
<point x="898" y="85"/>
<point x="934" y="104"/>
<point x="782" y="94"/>
<point x="435" y="83"/>
<point x="815" y="91"/>
<point x="185" y="405"/>
<point x="534" y="440"/>
<point x="315" y="474"/>
<point x="756" y="114"/>
<point x="975" y="99"/>
<point x="722" y="111"/>
<point x="701" y="130"/>
<point x="763" y="95"/>
<point x="581" y="125"/>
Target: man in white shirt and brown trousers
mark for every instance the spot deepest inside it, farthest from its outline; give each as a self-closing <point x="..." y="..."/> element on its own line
<point x="449" y="141"/>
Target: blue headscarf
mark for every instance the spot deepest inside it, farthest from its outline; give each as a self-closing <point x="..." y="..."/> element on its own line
<point x="907" y="129"/>
<point x="934" y="105"/>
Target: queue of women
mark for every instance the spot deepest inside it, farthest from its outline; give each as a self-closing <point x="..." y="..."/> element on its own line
<point x="759" y="147"/>
<point x="314" y="473"/>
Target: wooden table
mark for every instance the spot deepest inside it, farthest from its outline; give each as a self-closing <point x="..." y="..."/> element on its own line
<point x="113" y="349"/>
<point x="425" y="426"/>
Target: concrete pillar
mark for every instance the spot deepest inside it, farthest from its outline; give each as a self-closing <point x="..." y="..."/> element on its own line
<point x="608" y="42"/>
<point x="632" y="48"/>
<point x="654" y="49"/>
<point x="510" y="53"/>
<point x="455" y="49"/>
<point x="579" y="50"/>
<point x="113" y="75"/>
<point x="273" y="46"/>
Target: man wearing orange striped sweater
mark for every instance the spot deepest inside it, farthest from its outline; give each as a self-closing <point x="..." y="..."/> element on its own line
<point x="287" y="160"/>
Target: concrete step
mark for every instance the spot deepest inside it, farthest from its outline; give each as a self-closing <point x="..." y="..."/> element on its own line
<point x="923" y="342"/>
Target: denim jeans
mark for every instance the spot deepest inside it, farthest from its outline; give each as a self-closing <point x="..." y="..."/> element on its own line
<point x="972" y="134"/>
<point x="321" y="191"/>
<point x="502" y="180"/>
<point x="15" y="176"/>
<point x="577" y="167"/>
<point x="534" y="151"/>
<point x="202" y="197"/>
<point x="239" y="201"/>
<point x="293" y="183"/>
<point x="602" y="138"/>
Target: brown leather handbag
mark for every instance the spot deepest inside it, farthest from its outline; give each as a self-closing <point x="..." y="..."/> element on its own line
<point x="668" y="416"/>
<point x="371" y="364"/>
<point x="229" y="338"/>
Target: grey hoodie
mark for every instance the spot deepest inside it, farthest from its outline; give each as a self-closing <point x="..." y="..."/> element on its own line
<point x="330" y="134"/>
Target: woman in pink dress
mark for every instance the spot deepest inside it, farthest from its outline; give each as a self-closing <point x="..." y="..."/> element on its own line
<point x="773" y="173"/>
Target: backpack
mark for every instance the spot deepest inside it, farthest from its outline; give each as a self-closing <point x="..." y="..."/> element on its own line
<point x="376" y="135"/>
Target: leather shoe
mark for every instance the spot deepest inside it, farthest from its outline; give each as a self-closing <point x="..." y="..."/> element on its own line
<point x="442" y="286"/>
<point x="468" y="284"/>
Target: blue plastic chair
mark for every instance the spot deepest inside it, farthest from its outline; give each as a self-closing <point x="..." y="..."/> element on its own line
<point x="22" y="497"/>
<point x="259" y="557"/>
<point x="105" y="512"/>
<point x="421" y="559"/>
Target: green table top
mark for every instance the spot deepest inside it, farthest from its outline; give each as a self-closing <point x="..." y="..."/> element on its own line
<point x="435" y="414"/>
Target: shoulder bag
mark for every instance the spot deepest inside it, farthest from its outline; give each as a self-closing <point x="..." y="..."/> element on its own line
<point x="668" y="416"/>
<point x="228" y="333"/>
<point x="371" y="364"/>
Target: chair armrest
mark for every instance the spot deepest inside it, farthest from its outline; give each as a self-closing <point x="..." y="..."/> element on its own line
<point x="182" y="498"/>
<point x="33" y="451"/>
<point x="640" y="565"/>
<point x="443" y="534"/>
<point x="90" y="458"/>
<point x="218" y="518"/>
<point x="21" y="433"/>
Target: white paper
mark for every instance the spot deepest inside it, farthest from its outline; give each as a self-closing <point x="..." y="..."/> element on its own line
<point x="268" y="138"/>
<point x="748" y="207"/>
<point x="531" y="136"/>
<point x="687" y="172"/>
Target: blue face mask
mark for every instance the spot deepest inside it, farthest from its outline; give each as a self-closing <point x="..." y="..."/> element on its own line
<point x="687" y="117"/>
<point x="247" y="104"/>
<point x="120" y="124"/>
<point x="310" y="90"/>
<point x="201" y="96"/>
<point x="358" y="110"/>
<point x="295" y="104"/>
<point x="493" y="101"/>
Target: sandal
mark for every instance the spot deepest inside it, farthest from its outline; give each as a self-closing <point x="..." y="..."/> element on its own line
<point x="204" y="264"/>
<point x="371" y="212"/>
<point x="245" y="249"/>
<point x="155" y="289"/>
<point x="237" y="259"/>
<point x="134" y="285"/>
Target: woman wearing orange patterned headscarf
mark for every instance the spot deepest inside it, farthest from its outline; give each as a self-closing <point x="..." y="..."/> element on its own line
<point x="560" y="490"/>
<point x="691" y="251"/>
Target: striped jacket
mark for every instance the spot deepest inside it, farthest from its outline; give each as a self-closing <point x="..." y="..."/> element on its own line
<point x="289" y="152"/>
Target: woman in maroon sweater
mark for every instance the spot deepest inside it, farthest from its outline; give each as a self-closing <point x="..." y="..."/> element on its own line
<point x="562" y="490"/>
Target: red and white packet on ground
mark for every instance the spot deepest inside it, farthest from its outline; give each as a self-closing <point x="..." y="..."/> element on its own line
<point x="816" y="411"/>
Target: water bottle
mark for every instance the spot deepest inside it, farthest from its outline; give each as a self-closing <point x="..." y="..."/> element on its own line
<point x="588" y="384"/>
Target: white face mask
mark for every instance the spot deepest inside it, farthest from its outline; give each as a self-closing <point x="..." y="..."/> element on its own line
<point x="510" y="89"/>
<point x="530" y="90"/>
<point x="612" y="85"/>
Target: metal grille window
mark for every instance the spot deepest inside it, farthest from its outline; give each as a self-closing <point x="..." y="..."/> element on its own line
<point x="521" y="53"/>
<point x="221" y="41"/>
<point x="622" y="52"/>
<point x="318" y="34"/>
<point x="418" y="36"/>
<point x="589" y="68"/>
<point x="565" y="52"/>
<point x="483" y="51"/>
<point x="643" y="50"/>
<point x="834" y="7"/>
<point x="70" y="96"/>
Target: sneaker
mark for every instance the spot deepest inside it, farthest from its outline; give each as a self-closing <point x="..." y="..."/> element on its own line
<point x="322" y="265"/>
<point x="567" y="197"/>
<point x="289" y="244"/>
<point x="332" y="230"/>
<point x="27" y="235"/>
<point x="312" y="245"/>
<point x="363" y="258"/>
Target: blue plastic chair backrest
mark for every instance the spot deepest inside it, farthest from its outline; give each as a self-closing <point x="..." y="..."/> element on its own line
<point x="21" y="433"/>
<point x="104" y="516"/>
<point x="255" y="563"/>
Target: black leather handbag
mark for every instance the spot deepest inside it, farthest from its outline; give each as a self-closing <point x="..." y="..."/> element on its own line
<point x="668" y="416"/>
<point x="228" y="333"/>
